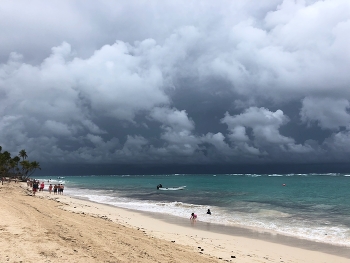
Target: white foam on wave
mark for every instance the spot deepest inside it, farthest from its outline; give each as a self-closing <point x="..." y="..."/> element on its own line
<point x="254" y="175"/>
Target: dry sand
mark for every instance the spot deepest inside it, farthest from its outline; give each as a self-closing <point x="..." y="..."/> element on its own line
<point x="55" y="228"/>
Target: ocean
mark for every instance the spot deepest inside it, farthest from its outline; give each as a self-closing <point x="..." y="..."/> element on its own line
<point x="314" y="207"/>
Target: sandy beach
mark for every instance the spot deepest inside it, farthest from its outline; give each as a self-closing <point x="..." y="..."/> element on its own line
<point x="51" y="228"/>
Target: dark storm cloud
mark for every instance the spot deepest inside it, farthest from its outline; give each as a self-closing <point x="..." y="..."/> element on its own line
<point x="172" y="82"/>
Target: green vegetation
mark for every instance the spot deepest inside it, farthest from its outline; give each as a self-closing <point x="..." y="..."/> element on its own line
<point x="18" y="166"/>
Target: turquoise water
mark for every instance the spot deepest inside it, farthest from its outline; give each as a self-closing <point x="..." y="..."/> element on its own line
<point x="309" y="206"/>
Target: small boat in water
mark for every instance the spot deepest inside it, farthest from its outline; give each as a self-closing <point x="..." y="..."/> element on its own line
<point x="172" y="188"/>
<point x="160" y="187"/>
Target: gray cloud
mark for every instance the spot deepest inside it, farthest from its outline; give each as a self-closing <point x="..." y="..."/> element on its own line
<point x="175" y="82"/>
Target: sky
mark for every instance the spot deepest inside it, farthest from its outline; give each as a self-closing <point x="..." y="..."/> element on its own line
<point x="173" y="84"/>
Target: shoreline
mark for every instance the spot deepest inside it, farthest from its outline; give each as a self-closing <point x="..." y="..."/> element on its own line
<point x="226" y="231"/>
<point x="201" y="239"/>
<point x="255" y="234"/>
<point x="249" y="233"/>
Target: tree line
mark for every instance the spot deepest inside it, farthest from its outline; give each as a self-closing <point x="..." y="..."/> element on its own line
<point x="17" y="166"/>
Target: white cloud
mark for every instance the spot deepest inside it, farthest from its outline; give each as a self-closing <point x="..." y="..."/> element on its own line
<point x="327" y="112"/>
<point x="238" y="134"/>
<point x="58" y="129"/>
<point x="177" y="130"/>
<point x="337" y="146"/>
<point x="177" y="120"/>
<point x="265" y="136"/>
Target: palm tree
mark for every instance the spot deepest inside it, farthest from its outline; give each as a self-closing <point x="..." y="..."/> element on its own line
<point x="15" y="167"/>
<point x="25" y="169"/>
<point x="33" y="166"/>
<point x="5" y="159"/>
<point x="23" y="154"/>
<point x="28" y="168"/>
<point x="16" y="161"/>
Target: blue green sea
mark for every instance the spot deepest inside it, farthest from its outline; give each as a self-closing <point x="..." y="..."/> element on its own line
<point x="315" y="207"/>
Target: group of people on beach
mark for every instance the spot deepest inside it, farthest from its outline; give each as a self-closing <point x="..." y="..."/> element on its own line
<point x="57" y="189"/>
<point x="37" y="186"/>
<point x="8" y="179"/>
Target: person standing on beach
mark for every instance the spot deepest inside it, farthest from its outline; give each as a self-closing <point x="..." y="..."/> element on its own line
<point x="35" y="186"/>
<point x="60" y="189"/>
<point x="42" y="185"/>
<point x="55" y="189"/>
<point x="50" y="188"/>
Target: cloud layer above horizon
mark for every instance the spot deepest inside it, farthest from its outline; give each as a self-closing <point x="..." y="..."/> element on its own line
<point x="176" y="82"/>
